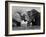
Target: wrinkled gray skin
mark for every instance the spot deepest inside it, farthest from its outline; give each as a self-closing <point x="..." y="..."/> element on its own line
<point x="18" y="16"/>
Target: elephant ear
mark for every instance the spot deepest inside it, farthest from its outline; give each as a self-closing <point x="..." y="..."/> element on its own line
<point x="17" y="17"/>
